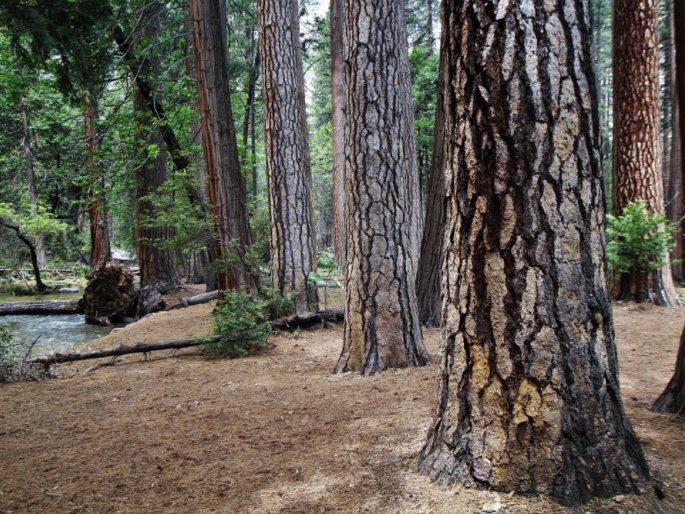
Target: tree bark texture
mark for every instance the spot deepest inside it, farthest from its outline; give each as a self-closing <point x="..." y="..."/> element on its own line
<point x="39" y="241"/>
<point x="672" y="400"/>
<point x="637" y="173"/>
<point x="100" y="251"/>
<point x="429" y="273"/>
<point x="529" y="399"/>
<point x="679" y="128"/>
<point x="158" y="273"/>
<point x="226" y="185"/>
<point x="381" y="185"/>
<point x="287" y="153"/>
<point x="338" y="130"/>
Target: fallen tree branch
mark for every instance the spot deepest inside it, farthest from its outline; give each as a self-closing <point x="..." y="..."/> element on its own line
<point x="200" y="298"/>
<point x="41" y="307"/>
<point x="289" y="322"/>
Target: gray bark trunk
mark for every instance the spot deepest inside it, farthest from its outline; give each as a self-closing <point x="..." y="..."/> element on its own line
<point x="529" y="399"/>
<point x="381" y="184"/>
<point x="287" y="153"/>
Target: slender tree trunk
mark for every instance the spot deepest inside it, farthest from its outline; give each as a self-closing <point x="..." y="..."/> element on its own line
<point x="226" y="184"/>
<point x="100" y="251"/>
<point x="249" y="117"/>
<point x="39" y="243"/>
<point x="678" y="159"/>
<point x="672" y="400"/>
<point x="381" y="315"/>
<point x="637" y="151"/>
<point x="40" y="285"/>
<point x="158" y="273"/>
<point x="429" y="274"/>
<point x="338" y="128"/>
<point x="529" y="398"/>
<point x="287" y="153"/>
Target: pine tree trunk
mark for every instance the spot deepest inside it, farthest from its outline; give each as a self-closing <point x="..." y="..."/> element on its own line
<point x="338" y="128"/>
<point x="158" y="273"/>
<point x="678" y="184"/>
<point x="529" y="398"/>
<point x="381" y="315"/>
<point x="39" y="242"/>
<point x="429" y="274"/>
<point x="226" y="184"/>
<point x="672" y="400"/>
<point x="100" y="251"/>
<point x="637" y="173"/>
<point x="287" y="153"/>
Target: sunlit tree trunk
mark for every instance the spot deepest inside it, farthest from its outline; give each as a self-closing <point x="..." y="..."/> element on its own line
<point x="678" y="155"/>
<point x="287" y="153"/>
<point x="637" y="172"/>
<point x="529" y="398"/>
<point x="382" y="195"/>
<point x="226" y="185"/>
<point x="100" y="251"/>
<point x="158" y="274"/>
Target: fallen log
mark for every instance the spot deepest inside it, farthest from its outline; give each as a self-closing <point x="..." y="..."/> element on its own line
<point x="41" y="307"/>
<point x="59" y="358"/>
<point x="200" y="298"/>
<point x="289" y="322"/>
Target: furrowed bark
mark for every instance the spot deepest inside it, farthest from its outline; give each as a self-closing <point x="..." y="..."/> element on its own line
<point x="287" y="153"/>
<point x="529" y="398"/>
<point x="672" y="400"/>
<point x="637" y="172"/>
<point x="158" y="273"/>
<point x="381" y="182"/>
<point x="226" y="185"/>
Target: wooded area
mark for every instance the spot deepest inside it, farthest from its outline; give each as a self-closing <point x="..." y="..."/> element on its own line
<point x="504" y="182"/>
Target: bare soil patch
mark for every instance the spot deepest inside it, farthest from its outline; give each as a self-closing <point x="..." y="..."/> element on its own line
<point x="278" y="432"/>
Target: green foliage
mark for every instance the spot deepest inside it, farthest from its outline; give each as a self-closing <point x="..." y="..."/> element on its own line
<point x="326" y="261"/>
<point x="8" y="356"/>
<point x="638" y="240"/>
<point x="242" y="318"/>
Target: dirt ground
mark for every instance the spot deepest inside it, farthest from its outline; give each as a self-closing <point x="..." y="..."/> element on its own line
<point x="278" y="432"/>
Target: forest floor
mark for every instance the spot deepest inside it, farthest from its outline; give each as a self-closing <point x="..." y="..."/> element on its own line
<point x="278" y="432"/>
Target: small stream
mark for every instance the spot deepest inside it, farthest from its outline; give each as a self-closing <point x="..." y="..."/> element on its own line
<point x="56" y="332"/>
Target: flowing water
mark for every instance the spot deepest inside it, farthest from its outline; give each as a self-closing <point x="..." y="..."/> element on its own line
<point x="55" y="332"/>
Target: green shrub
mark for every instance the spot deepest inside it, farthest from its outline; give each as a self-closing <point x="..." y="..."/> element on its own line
<point x="242" y="318"/>
<point x="326" y="261"/>
<point x="638" y="240"/>
<point x="9" y="356"/>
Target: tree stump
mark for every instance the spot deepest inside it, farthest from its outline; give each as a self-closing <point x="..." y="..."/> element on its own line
<point x="110" y="296"/>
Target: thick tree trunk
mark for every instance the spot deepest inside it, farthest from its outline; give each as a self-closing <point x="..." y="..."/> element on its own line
<point x="429" y="274"/>
<point x="158" y="273"/>
<point x="39" y="242"/>
<point x="382" y="327"/>
<point x="338" y="129"/>
<point x="100" y="251"/>
<point x="287" y="153"/>
<point x="529" y="398"/>
<point x="637" y="173"/>
<point x="226" y="185"/>
<point x="672" y="400"/>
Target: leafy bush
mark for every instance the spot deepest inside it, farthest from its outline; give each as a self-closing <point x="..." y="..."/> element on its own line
<point x="326" y="261"/>
<point x="638" y="240"/>
<point x="8" y="356"/>
<point x="242" y="318"/>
